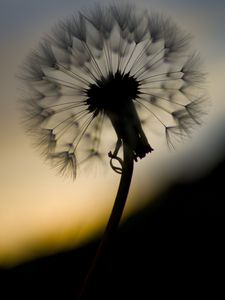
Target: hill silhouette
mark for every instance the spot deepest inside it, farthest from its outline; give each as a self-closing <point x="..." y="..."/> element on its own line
<point x="173" y="248"/>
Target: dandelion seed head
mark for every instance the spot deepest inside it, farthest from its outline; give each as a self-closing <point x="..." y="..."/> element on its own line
<point x="111" y="66"/>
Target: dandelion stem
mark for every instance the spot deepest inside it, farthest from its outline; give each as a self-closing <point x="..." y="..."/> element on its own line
<point x="114" y="220"/>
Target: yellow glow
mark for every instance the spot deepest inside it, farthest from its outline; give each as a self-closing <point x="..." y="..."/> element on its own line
<point x="42" y="212"/>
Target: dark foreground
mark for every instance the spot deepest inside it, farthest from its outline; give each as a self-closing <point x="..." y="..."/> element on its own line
<point x="172" y="249"/>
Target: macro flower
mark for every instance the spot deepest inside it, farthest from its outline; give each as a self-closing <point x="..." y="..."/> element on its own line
<point x="112" y="66"/>
<point x="109" y="79"/>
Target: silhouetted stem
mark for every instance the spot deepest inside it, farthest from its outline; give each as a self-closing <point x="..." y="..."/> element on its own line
<point x="115" y="217"/>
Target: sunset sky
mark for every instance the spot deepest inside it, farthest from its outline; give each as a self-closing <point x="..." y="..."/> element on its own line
<point x="41" y="212"/>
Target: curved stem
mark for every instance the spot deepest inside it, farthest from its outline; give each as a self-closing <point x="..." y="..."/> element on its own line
<point x="115" y="217"/>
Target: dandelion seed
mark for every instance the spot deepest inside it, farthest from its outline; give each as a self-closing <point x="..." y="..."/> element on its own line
<point x="46" y="141"/>
<point x="65" y="162"/>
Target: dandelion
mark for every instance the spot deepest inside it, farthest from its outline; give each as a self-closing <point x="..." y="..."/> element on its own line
<point x="110" y="66"/>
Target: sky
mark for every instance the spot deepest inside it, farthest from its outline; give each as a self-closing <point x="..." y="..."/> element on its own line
<point x="41" y="212"/>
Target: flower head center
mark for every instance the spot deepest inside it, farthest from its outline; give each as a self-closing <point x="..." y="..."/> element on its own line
<point x="112" y="93"/>
<point x="114" y="96"/>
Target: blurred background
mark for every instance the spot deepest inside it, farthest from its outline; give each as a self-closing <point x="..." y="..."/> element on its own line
<point x="174" y="218"/>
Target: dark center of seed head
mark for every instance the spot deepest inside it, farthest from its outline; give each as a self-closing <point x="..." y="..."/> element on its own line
<point x="112" y="93"/>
